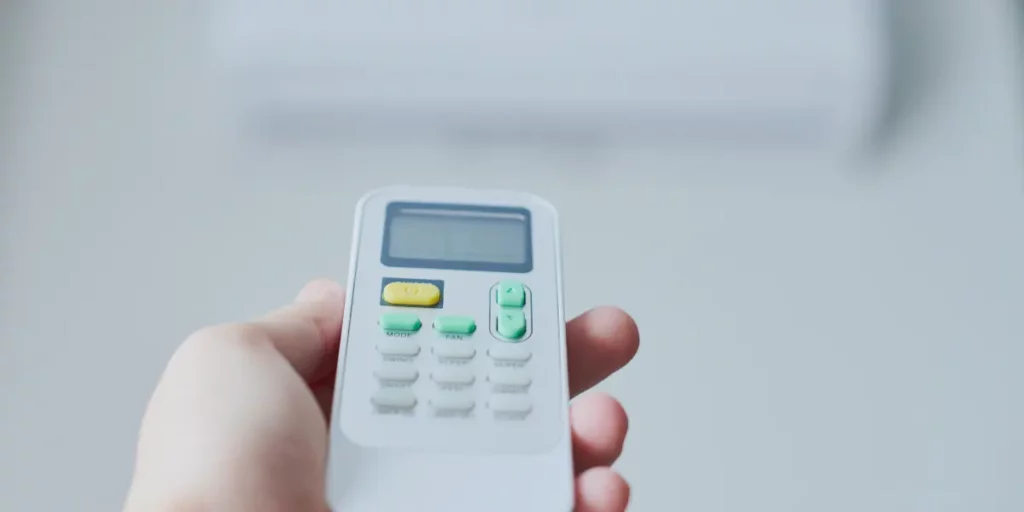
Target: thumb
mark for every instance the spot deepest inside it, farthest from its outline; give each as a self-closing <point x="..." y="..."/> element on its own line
<point x="307" y="332"/>
<point x="232" y="424"/>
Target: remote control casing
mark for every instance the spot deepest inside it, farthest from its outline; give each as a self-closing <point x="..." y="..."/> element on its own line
<point x="397" y="459"/>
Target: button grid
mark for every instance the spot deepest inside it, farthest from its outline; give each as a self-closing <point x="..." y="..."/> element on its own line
<point x="451" y="347"/>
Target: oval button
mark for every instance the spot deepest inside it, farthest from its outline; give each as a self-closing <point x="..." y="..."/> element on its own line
<point x="397" y="398"/>
<point x="399" y="322"/>
<point x="455" y="325"/>
<point x="411" y="294"/>
<point x="457" y="375"/>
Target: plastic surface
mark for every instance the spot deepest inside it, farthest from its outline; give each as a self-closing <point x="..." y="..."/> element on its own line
<point x="464" y="462"/>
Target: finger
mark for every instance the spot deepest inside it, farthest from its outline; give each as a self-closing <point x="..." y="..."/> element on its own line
<point x="599" y="426"/>
<point x="601" y="490"/>
<point x="600" y="342"/>
<point x="308" y="331"/>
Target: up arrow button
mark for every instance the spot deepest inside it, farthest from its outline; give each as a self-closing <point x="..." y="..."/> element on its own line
<point x="511" y="294"/>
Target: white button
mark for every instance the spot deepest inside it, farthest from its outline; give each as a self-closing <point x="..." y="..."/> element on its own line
<point x="399" y="398"/>
<point x="396" y="373"/>
<point x="455" y="375"/>
<point x="398" y="348"/>
<point x="511" y="403"/>
<point x="509" y="352"/>
<point x="456" y="350"/>
<point x="509" y="377"/>
<point x="452" y="402"/>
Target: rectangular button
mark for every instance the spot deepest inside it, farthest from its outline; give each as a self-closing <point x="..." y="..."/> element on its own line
<point x="511" y="323"/>
<point x="400" y="322"/>
<point x="511" y="294"/>
<point x="455" y="324"/>
<point x="509" y="377"/>
<point x="455" y="376"/>
<point x="407" y="348"/>
<point x="454" y="350"/>
<point x="518" y="404"/>
<point x="508" y="352"/>
<point x="452" y="402"/>
<point x="397" y="398"/>
<point x="396" y="373"/>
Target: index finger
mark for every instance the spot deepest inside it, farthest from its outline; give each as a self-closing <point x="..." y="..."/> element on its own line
<point x="600" y="342"/>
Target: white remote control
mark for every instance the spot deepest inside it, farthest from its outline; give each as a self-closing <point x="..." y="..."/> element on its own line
<point x="452" y="389"/>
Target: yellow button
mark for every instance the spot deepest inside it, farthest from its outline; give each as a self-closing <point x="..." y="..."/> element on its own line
<point x="411" y="294"/>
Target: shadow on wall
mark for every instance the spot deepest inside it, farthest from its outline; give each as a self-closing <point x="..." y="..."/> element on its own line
<point x="13" y="21"/>
<point x="918" y="47"/>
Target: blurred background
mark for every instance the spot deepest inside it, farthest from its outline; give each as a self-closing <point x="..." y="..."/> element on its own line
<point x="813" y="209"/>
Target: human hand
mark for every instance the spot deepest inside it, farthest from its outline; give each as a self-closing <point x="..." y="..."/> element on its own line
<point x="238" y="421"/>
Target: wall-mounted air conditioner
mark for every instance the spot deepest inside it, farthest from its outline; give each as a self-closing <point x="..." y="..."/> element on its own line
<point x="793" y="72"/>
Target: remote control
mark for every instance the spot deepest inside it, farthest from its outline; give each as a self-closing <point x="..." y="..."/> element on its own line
<point x="452" y="387"/>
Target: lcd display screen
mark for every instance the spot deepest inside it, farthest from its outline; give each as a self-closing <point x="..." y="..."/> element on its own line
<point x="457" y="237"/>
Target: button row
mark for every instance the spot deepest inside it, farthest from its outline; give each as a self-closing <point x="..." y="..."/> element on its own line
<point x="406" y="374"/>
<point x="408" y="322"/>
<point x="453" y="350"/>
<point x="405" y="399"/>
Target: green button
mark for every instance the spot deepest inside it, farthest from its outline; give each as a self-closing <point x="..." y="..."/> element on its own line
<point x="455" y="325"/>
<point x="511" y="294"/>
<point x="511" y="323"/>
<point x="400" y="322"/>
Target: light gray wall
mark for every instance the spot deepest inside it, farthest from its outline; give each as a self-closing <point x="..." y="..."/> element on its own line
<point x="816" y="336"/>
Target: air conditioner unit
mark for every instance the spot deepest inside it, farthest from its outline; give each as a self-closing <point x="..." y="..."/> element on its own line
<point x="792" y="72"/>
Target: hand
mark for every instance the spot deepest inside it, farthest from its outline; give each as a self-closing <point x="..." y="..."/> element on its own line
<point x="238" y="420"/>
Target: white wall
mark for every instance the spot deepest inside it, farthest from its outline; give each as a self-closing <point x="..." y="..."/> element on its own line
<point x="815" y="336"/>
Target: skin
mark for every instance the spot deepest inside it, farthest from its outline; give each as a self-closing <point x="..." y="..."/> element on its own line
<point x="238" y="421"/>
